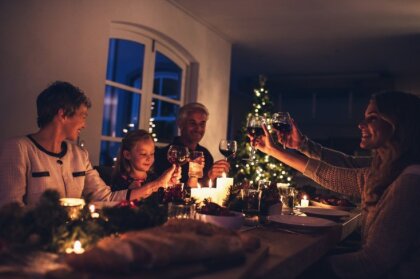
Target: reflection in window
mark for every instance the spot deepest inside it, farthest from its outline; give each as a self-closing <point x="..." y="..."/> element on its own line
<point x="125" y="62"/>
<point x="121" y="111"/>
<point x="168" y="77"/>
<point x="164" y="118"/>
<point x="109" y="152"/>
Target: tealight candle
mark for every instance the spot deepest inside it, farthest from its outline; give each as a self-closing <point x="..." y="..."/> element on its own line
<point x="77" y="248"/>
<point x="93" y="214"/>
<point x="304" y="202"/>
<point x="73" y="206"/>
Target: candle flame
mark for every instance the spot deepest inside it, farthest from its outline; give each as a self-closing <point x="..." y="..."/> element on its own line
<point x="224" y="175"/>
<point x="92" y="208"/>
<point x="198" y="185"/>
<point x="77" y="247"/>
<point x="210" y="183"/>
<point x="305" y="197"/>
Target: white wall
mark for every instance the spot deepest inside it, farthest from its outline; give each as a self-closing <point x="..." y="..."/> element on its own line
<point x="47" y="40"/>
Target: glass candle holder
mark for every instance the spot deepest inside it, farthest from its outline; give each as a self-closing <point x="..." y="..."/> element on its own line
<point x="73" y="206"/>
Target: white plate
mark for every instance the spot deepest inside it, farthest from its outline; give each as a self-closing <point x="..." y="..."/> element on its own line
<point x="327" y="212"/>
<point x="323" y="205"/>
<point x="301" y="221"/>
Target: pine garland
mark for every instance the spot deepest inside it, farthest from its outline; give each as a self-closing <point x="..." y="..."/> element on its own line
<point x="48" y="226"/>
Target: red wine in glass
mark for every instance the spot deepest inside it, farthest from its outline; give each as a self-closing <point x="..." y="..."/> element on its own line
<point x="228" y="148"/>
<point x="254" y="129"/>
<point x="281" y="122"/>
<point x="178" y="155"/>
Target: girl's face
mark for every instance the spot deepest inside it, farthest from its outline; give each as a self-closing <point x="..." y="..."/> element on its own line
<point x="142" y="156"/>
<point x="375" y="130"/>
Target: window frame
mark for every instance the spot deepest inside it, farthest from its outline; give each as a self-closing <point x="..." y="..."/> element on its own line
<point x="153" y="41"/>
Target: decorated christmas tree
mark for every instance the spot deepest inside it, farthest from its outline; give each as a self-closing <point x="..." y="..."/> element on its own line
<point x="262" y="166"/>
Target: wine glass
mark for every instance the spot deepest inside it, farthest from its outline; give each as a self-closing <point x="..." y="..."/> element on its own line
<point x="281" y="122"/>
<point x="254" y="129"/>
<point x="228" y="148"/>
<point x="178" y="155"/>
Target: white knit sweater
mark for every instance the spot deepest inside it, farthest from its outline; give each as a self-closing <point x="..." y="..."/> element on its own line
<point x="27" y="170"/>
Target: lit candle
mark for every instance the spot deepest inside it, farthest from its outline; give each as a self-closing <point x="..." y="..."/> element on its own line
<point x="222" y="185"/>
<point x="73" y="206"/>
<point x="77" y="248"/>
<point x="203" y="193"/>
<point x="304" y="202"/>
<point x="93" y="214"/>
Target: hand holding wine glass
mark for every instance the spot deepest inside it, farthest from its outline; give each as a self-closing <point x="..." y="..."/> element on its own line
<point x="282" y="124"/>
<point x="228" y="148"/>
<point x="255" y="130"/>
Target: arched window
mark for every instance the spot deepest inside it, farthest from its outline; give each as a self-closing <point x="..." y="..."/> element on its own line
<point x="146" y="84"/>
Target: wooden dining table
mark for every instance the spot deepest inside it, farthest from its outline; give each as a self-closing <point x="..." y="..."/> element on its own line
<point x="286" y="253"/>
<point x="283" y="253"/>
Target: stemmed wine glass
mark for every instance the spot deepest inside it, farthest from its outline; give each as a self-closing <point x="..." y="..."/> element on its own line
<point x="254" y="129"/>
<point x="178" y="155"/>
<point x="228" y="148"/>
<point x="281" y="122"/>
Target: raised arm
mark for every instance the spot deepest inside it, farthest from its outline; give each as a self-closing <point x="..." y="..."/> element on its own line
<point x="347" y="181"/>
<point x="296" y="140"/>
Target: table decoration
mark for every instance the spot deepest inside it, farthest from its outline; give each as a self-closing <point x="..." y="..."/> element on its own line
<point x="202" y="193"/>
<point x="304" y="202"/>
<point x="74" y="206"/>
<point x="223" y="184"/>
<point x="49" y="227"/>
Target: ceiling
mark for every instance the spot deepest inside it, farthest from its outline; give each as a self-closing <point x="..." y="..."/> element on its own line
<point x="315" y="37"/>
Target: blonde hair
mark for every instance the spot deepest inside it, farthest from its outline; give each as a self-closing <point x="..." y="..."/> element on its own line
<point x="122" y="165"/>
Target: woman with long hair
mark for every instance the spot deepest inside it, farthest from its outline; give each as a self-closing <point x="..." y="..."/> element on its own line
<point x="389" y="187"/>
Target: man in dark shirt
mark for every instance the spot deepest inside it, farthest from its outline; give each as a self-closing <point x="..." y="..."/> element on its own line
<point x="192" y="119"/>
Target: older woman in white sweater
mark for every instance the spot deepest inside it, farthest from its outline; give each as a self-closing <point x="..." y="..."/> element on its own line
<point x="49" y="159"/>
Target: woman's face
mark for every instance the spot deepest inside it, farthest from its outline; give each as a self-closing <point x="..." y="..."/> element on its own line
<point x="375" y="130"/>
<point x="142" y="156"/>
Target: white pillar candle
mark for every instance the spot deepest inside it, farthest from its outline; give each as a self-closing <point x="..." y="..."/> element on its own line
<point x="203" y="193"/>
<point x="223" y="185"/>
<point x="304" y="202"/>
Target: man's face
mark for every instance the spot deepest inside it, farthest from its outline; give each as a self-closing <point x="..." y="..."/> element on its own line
<point x="75" y="123"/>
<point x="193" y="127"/>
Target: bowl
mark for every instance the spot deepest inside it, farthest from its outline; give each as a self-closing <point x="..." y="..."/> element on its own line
<point x="233" y="222"/>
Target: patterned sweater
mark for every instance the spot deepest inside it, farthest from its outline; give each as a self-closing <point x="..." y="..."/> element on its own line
<point x="390" y="229"/>
<point x="27" y="170"/>
<point x="316" y="151"/>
